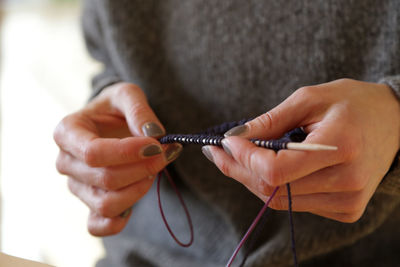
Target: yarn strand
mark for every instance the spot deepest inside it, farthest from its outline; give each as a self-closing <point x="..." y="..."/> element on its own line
<point x="292" y="239"/>
<point x="254" y="236"/>
<point x="171" y="181"/>
<point x="251" y="228"/>
<point x="214" y="136"/>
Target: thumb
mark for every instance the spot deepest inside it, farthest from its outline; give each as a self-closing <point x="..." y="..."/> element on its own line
<point x="294" y="112"/>
<point x="132" y="102"/>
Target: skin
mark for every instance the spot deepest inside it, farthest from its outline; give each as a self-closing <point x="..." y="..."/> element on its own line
<point x="361" y="119"/>
<point x="101" y="146"/>
<point x="101" y="149"/>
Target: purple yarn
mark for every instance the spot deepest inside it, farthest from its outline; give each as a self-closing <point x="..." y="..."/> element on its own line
<point x="251" y="228"/>
<point x="223" y="128"/>
<point x="292" y="239"/>
<point x="189" y="219"/>
<point x="214" y="136"/>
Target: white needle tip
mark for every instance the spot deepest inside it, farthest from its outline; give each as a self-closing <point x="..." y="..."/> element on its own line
<point x="310" y="147"/>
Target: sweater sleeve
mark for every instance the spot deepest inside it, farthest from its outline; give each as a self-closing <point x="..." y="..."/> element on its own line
<point x="394" y="83"/>
<point x="391" y="182"/>
<point x="96" y="45"/>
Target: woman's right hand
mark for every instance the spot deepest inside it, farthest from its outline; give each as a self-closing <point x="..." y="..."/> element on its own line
<point x="110" y="154"/>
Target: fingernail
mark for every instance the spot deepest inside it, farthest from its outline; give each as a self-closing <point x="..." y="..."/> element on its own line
<point x="206" y="151"/>
<point x="152" y="129"/>
<point x="173" y="151"/>
<point x="151" y="177"/>
<point x="226" y="148"/>
<point x="236" y="131"/>
<point x="151" y="150"/>
<point x="126" y="213"/>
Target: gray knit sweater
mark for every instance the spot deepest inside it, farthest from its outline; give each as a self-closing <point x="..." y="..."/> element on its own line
<point x="205" y="62"/>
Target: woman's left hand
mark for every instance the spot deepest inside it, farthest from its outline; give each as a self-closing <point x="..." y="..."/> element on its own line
<point x="362" y="119"/>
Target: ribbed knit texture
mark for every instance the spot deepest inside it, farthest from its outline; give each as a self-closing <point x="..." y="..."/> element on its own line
<point x="205" y="62"/>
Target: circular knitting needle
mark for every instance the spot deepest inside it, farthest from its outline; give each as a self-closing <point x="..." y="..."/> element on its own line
<point x="186" y="139"/>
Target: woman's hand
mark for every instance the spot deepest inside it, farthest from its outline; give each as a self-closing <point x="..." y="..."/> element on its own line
<point x="361" y="119"/>
<point x="110" y="154"/>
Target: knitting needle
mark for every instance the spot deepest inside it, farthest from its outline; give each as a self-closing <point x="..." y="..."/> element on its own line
<point x="293" y="146"/>
<point x="310" y="147"/>
<point x="270" y="144"/>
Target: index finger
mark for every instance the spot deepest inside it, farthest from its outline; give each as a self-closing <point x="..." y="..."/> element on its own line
<point x="287" y="165"/>
<point x="77" y="136"/>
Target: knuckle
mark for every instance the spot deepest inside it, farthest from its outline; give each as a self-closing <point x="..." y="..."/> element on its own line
<point x="107" y="180"/>
<point x="265" y="120"/>
<point x="349" y="150"/>
<point x="152" y="167"/>
<point x="59" y="131"/>
<point x="71" y="186"/>
<point x="357" y="182"/>
<point x="103" y="206"/>
<point x="224" y="168"/>
<point x="137" y="109"/>
<point x="352" y="182"/>
<point x="263" y="187"/>
<point x="278" y="203"/>
<point x="60" y="165"/>
<point x="92" y="225"/>
<point x="114" y="229"/>
<point x="306" y="91"/>
<point x="274" y="175"/>
<point x="126" y="89"/>
<point x="92" y="229"/>
<point x="98" y="227"/>
<point x="350" y="217"/>
<point x="142" y="189"/>
<point x="353" y="204"/>
<point x="57" y="134"/>
<point x="89" y="154"/>
<point x="126" y="152"/>
<point x="249" y="158"/>
<point x="344" y="80"/>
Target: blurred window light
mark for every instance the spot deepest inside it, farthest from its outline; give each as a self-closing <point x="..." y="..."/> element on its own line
<point x="45" y="74"/>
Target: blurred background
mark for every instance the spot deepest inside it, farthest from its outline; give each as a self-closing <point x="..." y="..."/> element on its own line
<point x="44" y="74"/>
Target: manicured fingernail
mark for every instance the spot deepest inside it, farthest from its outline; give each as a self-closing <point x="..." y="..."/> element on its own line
<point x="236" y="131"/>
<point x="126" y="213"/>
<point x="226" y="148"/>
<point x="173" y="151"/>
<point x="152" y="129"/>
<point x="151" y="150"/>
<point x="206" y="151"/>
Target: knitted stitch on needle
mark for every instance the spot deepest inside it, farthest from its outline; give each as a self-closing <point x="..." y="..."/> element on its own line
<point x="214" y="136"/>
